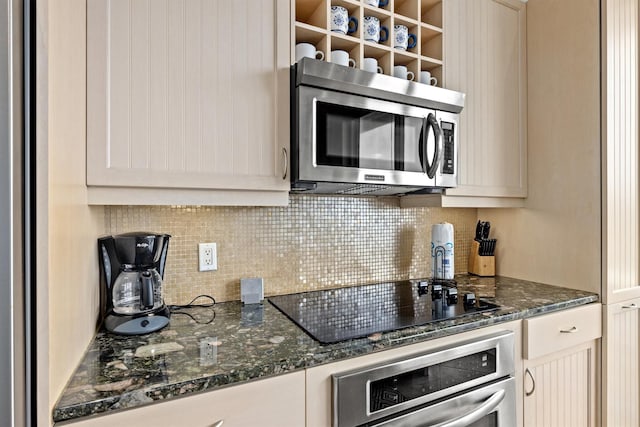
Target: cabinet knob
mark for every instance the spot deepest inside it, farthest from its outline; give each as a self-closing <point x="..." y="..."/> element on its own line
<point x="285" y="159"/>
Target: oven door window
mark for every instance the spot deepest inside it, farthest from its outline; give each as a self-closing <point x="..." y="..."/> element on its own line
<point x="360" y="138"/>
<point x="490" y="420"/>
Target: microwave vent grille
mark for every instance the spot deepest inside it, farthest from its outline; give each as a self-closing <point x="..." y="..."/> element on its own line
<point x="363" y="189"/>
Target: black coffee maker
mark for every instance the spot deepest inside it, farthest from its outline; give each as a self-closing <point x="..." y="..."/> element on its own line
<point x="131" y="273"/>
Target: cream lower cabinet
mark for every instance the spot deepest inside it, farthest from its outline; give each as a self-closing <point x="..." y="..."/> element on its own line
<point x="560" y="375"/>
<point x="188" y="102"/>
<point x="484" y="56"/>
<point x="621" y="364"/>
<point x="273" y="402"/>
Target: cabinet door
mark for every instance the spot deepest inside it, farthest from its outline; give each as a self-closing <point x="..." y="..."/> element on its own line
<point x="274" y="402"/>
<point x="485" y="57"/>
<point x="560" y="388"/>
<point x="189" y="94"/>
<point x="620" y="161"/>
<point x="621" y="364"/>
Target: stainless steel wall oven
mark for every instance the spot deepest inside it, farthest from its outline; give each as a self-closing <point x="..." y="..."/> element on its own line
<point x="468" y="384"/>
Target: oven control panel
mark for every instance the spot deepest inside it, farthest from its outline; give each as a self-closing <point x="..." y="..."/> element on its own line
<point x="416" y="383"/>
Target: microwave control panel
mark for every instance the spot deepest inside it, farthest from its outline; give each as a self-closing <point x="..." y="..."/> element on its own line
<point x="449" y="160"/>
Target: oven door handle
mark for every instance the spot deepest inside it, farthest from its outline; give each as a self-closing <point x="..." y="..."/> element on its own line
<point x="478" y="413"/>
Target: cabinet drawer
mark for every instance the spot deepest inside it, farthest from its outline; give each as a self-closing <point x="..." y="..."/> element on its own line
<point x="553" y="332"/>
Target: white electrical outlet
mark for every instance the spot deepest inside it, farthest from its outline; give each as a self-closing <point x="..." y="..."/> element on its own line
<point x="209" y="351"/>
<point x="207" y="256"/>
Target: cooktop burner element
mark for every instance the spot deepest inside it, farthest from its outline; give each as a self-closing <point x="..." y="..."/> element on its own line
<point x="335" y="315"/>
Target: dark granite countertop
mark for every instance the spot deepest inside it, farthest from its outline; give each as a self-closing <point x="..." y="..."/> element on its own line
<point x="120" y="372"/>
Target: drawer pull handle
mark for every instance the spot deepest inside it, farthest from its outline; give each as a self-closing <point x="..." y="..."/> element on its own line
<point x="533" y="381"/>
<point x="569" y="331"/>
<point x="631" y="306"/>
<point x="218" y="423"/>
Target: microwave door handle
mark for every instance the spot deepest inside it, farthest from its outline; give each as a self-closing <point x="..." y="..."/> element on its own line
<point x="422" y="151"/>
<point x="437" y="155"/>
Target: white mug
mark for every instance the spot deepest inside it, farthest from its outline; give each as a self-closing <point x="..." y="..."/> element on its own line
<point x="402" y="39"/>
<point x="341" y="22"/>
<point x="307" y="50"/>
<point x="371" y="65"/>
<point x="377" y="3"/>
<point x="425" y="77"/>
<point x="373" y="31"/>
<point x="341" y="57"/>
<point x="401" y="72"/>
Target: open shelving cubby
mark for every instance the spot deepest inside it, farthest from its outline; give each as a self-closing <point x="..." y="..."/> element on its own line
<point x="423" y="18"/>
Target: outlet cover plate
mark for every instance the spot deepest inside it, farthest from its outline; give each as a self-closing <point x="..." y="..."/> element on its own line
<point x="207" y="257"/>
<point x="209" y="351"/>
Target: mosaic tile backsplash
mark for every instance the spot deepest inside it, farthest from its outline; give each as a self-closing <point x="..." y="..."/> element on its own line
<point x="314" y="243"/>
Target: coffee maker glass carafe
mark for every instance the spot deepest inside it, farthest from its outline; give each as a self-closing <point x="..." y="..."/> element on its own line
<point x="131" y="273"/>
<point x="137" y="291"/>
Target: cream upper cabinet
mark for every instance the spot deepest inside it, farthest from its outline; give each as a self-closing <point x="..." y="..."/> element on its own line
<point x="560" y="368"/>
<point x="484" y="56"/>
<point x="273" y="402"/>
<point x="188" y="101"/>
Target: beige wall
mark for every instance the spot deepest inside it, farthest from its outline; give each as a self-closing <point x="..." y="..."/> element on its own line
<point x="67" y="252"/>
<point x="314" y="243"/>
<point x="556" y="238"/>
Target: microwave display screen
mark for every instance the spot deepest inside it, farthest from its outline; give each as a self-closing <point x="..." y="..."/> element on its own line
<point x="360" y="138"/>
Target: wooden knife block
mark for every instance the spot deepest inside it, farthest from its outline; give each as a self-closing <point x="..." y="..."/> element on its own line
<point x="481" y="265"/>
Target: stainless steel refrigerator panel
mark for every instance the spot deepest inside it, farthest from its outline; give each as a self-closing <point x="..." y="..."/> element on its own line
<point x="13" y="384"/>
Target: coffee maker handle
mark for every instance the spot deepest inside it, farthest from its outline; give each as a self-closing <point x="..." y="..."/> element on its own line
<point x="146" y="297"/>
<point x="163" y="256"/>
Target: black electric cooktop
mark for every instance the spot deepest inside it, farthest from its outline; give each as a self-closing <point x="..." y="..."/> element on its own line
<point x="335" y="315"/>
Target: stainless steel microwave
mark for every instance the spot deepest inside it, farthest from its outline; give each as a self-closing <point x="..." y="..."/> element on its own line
<point x="362" y="133"/>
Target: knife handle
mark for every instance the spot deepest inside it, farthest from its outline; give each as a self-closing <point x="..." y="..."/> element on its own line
<point x="479" y="228"/>
<point x="486" y="227"/>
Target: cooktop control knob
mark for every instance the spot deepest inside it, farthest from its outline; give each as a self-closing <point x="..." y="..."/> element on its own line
<point x="469" y="299"/>
<point x="452" y="296"/>
<point x="423" y="287"/>
<point x="436" y="292"/>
